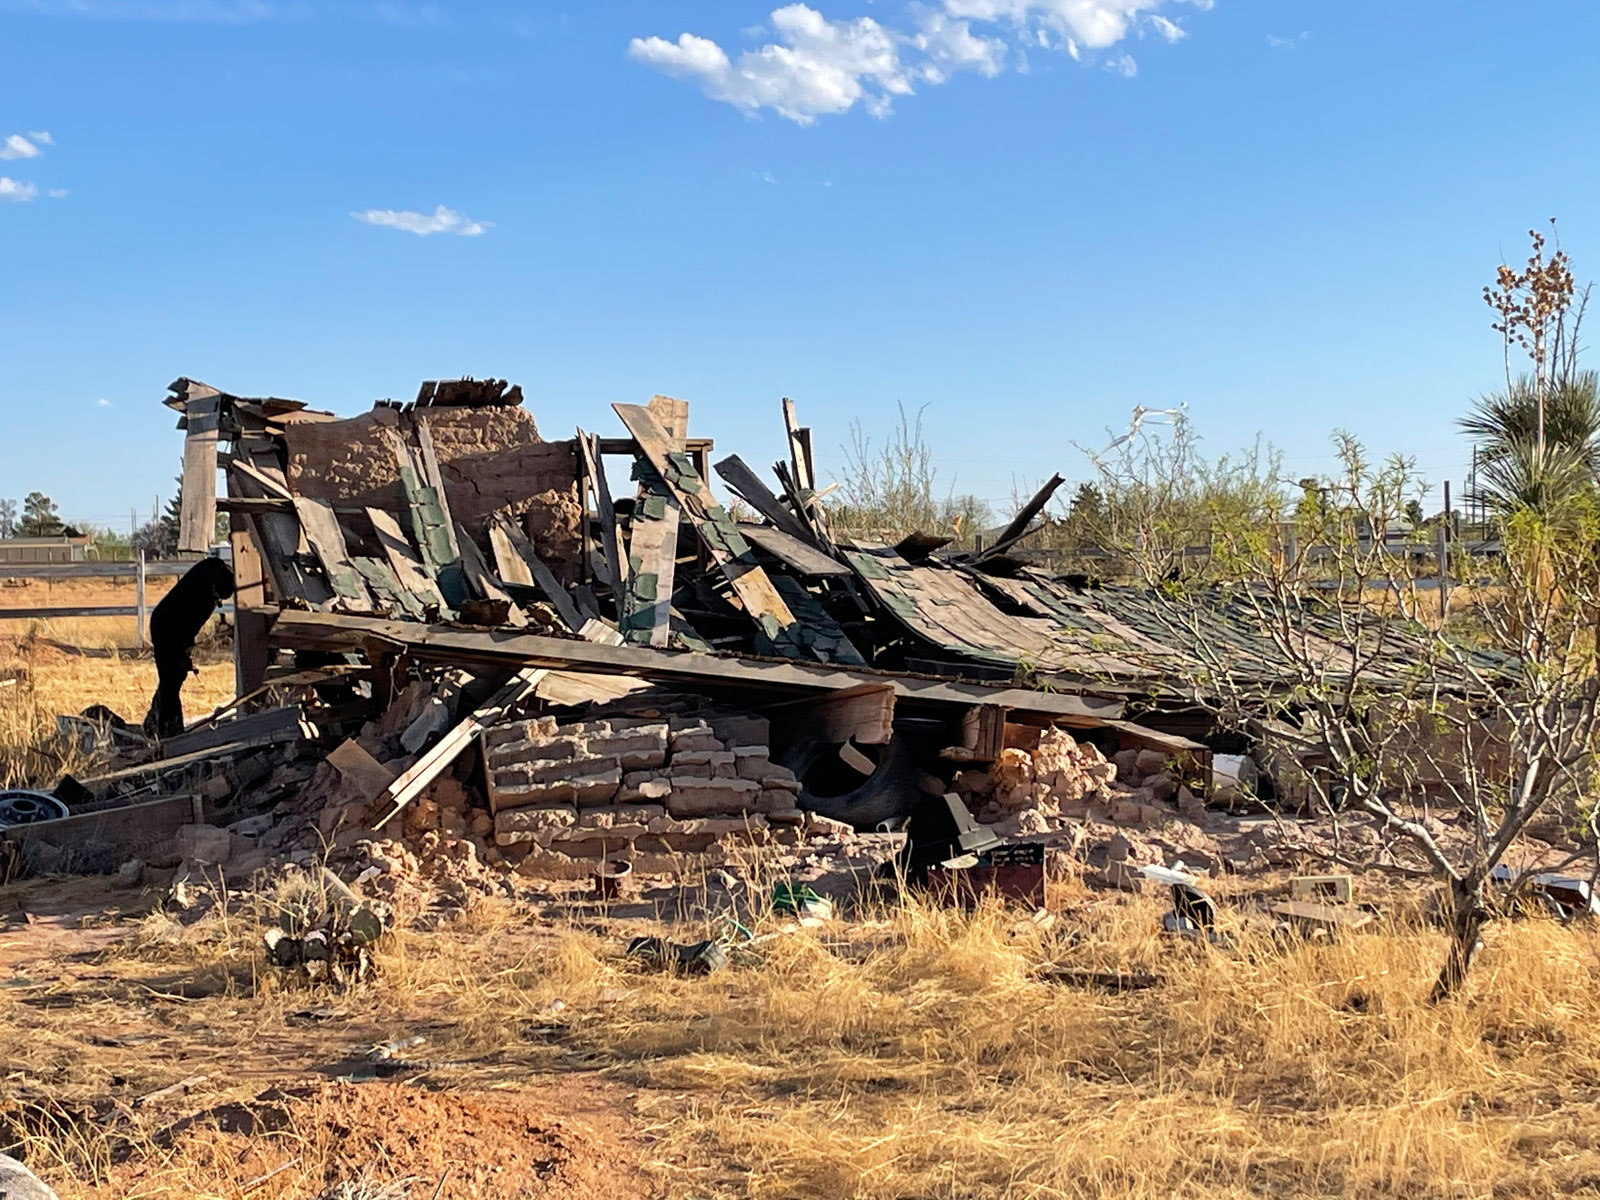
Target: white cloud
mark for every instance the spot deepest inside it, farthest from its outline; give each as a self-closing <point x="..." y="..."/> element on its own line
<point x="1286" y="43"/>
<point x="102" y="403"/>
<point x="820" y="67"/>
<point x="16" y="146"/>
<point x="16" y="190"/>
<point x="768" y="177"/>
<point x="440" y="220"/>
<point x="951" y="46"/>
<point x="42" y="136"/>
<point x="817" y="67"/>
<point x="59" y="193"/>
<point x="1170" y="30"/>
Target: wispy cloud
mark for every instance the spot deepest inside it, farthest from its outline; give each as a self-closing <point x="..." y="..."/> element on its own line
<point x="15" y="146"/>
<point x="102" y="403"/>
<point x="811" y="66"/>
<point x="16" y="190"/>
<point x="59" y="193"/>
<point x="440" y="220"/>
<point x="42" y="137"/>
<point x="1287" y="43"/>
<point x="1124" y="65"/>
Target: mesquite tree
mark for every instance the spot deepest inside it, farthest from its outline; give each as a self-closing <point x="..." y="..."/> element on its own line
<point x="1453" y="736"/>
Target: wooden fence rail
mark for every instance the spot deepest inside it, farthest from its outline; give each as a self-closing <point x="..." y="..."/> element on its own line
<point x="138" y="570"/>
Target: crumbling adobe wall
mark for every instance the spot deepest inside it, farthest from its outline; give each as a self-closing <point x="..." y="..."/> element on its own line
<point x="490" y="458"/>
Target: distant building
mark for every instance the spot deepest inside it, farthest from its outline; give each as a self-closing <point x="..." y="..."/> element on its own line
<point x="44" y="550"/>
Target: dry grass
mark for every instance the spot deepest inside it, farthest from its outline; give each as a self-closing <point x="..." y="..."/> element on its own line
<point x="908" y="1052"/>
<point x="919" y="1055"/>
<point x="63" y="667"/>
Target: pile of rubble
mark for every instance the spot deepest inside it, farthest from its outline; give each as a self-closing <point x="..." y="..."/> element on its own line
<point x="467" y="656"/>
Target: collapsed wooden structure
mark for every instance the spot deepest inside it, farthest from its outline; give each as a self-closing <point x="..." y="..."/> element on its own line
<point x="449" y="532"/>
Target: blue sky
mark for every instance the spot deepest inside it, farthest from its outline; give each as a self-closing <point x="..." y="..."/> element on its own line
<point x="1027" y="215"/>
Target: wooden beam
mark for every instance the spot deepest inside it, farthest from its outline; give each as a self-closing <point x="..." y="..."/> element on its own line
<point x="482" y="580"/>
<point x="408" y="786"/>
<point x="594" y="471"/>
<point x="799" y="556"/>
<point x="759" y="496"/>
<point x="718" y="532"/>
<point x="1019" y="523"/>
<point x="197" y="522"/>
<point x="799" y="449"/>
<point x="443" y="643"/>
<point x="513" y="547"/>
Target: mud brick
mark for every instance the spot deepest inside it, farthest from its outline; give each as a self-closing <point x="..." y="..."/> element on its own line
<point x="646" y="789"/>
<point x="710" y="797"/>
<point x="637" y="749"/>
<point x="514" y="825"/>
<point x="555" y="772"/>
<point x="558" y="749"/>
<point x="621" y="815"/>
<point x="752" y="761"/>
<point x="742" y="730"/>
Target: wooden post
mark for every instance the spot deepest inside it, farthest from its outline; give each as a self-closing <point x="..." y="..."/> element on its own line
<point x="141" y="618"/>
<point x="1444" y="570"/>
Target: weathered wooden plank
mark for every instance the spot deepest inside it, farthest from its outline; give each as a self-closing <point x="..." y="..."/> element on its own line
<point x="1024" y="518"/>
<point x="268" y="728"/>
<point x="273" y="488"/>
<point x="197" y="521"/>
<point x="331" y="631"/>
<point x="724" y="542"/>
<point x="759" y="496"/>
<point x="800" y="557"/>
<point x="322" y="531"/>
<point x="482" y="580"/>
<point x="391" y="594"/>
<point x="435" y="478"/>
<point x="594" y="471"/>
<point x="287" y="554"/>
<point x="513" y="549"/>
<point x="431" y="525"/>
<point x="407" y="568"/>
<point x="799" y="449"/>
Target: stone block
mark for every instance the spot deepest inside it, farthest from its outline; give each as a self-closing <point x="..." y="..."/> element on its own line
<point x="1127" y="764"/>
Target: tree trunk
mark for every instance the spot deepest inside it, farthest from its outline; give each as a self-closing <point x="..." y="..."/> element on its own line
<point x="1468" y="915"/>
